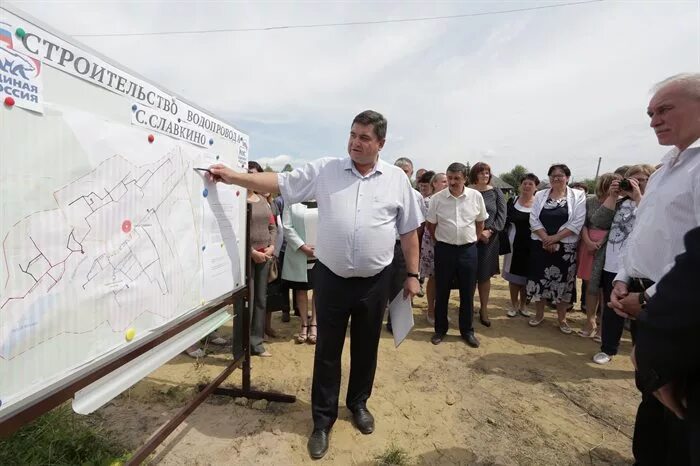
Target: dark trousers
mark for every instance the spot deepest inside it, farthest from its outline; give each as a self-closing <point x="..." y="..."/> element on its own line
<point x="398" y="275"/>
<point x="337" y="300"/>
<point x="613" y="324"/>
<point x="660" y="438"/>
<point x="451" y="261"/>
<point x="259" y="308"/>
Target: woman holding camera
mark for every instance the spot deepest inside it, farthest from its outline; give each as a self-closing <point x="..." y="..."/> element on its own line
<point x="556" y="220"/>
<point x="632" y="188"/>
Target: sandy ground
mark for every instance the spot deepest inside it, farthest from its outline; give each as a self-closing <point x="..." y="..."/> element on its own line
<point x="526" y="396"/>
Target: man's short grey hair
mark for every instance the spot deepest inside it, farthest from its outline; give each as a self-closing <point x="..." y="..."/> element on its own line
<point x="690" y="82"/>
<point x="404" y="162"/>
<point x="457" y="167"/>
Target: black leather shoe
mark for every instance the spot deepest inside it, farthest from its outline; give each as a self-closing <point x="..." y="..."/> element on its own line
<point x="364" y="421"/>
<point x="285" y="316"/>
<point x="437" y="339"/>
<point x="485" y="322"/>
<point x="472" y="341"/>
<point x="318" y="443"/>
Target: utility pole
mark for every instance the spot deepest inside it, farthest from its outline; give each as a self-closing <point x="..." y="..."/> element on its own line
<point x="597" y="170"/>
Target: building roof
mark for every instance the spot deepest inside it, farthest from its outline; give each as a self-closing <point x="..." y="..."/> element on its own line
<point x="496" y="182"/>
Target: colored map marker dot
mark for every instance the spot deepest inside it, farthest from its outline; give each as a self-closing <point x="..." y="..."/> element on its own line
<point x="130" y="334"/>
<point x="133" y="108"/>
<point x="203" y="247"/>
<point x="205" y="193"/>
<point x="9" y="101"/>
<point x="20" y="32"/>
<point x="151" y="138"/>
<point x="211" y="142"/>
<point x="217" y="157"/>
<point x="126" y="226"/>
<point x="222" y="245"/>
<point x="238" y="193"/>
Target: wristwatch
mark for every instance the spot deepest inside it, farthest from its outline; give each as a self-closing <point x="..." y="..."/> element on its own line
<point x="414" y="275"/>
<point x="643" y="299"/>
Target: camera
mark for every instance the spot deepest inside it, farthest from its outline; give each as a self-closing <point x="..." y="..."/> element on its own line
<point x="625" y="185"/>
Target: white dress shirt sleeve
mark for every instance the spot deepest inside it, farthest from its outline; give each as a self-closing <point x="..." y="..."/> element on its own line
<point x="695" y="198"/>
<point x="483" y="214"/>
<point x="290" y="234"/>
<point x="410" y="214"/>
<point x="431" y="216"/>
<point x="300" y="184"/>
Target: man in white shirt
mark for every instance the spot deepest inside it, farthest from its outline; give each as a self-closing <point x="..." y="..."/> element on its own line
<point x="456" y="219"/>
<point x="362" y="203"/>
<point x="669" y="209"/>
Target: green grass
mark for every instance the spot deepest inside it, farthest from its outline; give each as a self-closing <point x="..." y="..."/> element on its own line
<point x="393" y="456"/>
<point x="60" y="437"/>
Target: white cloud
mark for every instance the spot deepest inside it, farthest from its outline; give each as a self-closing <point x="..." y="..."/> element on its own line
<point x="276" y="163"/>
<point x="568" y="84"/>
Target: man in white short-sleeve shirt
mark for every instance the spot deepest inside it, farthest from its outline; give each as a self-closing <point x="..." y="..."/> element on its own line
<point x="362" y="203"/>
<point x="455" y="219"/>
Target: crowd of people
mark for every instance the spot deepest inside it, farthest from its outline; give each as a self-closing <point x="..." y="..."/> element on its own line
<point x="379" y="235"/>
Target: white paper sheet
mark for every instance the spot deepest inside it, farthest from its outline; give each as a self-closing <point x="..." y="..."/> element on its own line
<point x="401" y="313"/>
<point x="220" y="258"/>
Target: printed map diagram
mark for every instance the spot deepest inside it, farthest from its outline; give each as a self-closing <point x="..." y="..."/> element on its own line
<point x="122" y="246"/>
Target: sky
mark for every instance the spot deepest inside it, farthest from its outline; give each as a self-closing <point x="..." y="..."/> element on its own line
<point x="568" y="84"/>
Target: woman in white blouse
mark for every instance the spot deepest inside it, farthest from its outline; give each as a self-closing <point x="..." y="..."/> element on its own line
<point x="556" y="219"/>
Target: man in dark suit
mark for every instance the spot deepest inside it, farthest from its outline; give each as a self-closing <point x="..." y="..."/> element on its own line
<point x="667" y="357"/>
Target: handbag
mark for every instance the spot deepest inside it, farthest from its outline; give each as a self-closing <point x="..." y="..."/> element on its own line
<point x="503" y="243"/>
<point x="273" y="272"/>
<point x="503" y="240"/>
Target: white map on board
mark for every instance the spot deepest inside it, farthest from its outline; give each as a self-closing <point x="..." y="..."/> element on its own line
<point x="123" y="248"/>
<point x="126" y="246"/>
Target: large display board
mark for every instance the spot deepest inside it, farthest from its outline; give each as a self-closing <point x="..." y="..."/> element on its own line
<point x="108" y="232"/>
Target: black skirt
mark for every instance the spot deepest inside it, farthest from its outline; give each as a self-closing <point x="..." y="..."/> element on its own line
<point x="303" y="286"/>
<point x="552" y="276"/>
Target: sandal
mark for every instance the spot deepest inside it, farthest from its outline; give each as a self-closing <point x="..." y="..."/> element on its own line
<point x="564" y="327"/>
<point x="586" y="333"/>
<point x="534" y="322"/>
<point x="302" y="337"/>
<point x="195" y="352"/>
<point x="219" y="341"/>
<point x="312" y="336"/>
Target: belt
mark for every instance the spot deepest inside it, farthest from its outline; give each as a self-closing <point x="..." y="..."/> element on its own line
<point x="466" y="245"/>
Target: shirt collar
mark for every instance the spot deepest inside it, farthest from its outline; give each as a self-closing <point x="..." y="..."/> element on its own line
<point x="449" y="193"/>
<point x="378" y="167"/>
<point x="673" y="156"/>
